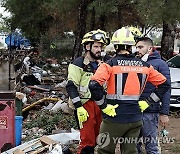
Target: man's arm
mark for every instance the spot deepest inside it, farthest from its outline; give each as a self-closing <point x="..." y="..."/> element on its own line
<point x="96" y="83"/>
<point x="164" y="111"/>
<point x="164" y="69"/>
<point x="74" y="77"/>
<point x="161" y="82"/>
<point x="97" y="91"/>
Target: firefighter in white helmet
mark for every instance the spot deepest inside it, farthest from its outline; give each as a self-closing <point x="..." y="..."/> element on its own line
<point x="126" y="77"/>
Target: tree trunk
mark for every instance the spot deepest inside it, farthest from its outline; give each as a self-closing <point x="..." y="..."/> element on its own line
<point x="167" y="42"/>
<point x="101" y="22"/>
<point x="120" y="17"/>
<point x="93" y="14"/>
<point x="81" y="27"/>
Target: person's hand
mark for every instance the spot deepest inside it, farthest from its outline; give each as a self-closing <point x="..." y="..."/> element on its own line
<point x="110" y="110"/>
<point x="99" y="61"/>
<point x="82" y="114"/>
<point x="143" y="105"/>
<point x="164" y="119"/>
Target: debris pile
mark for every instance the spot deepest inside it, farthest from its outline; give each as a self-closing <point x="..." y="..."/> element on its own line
<point x="44" y="107"/>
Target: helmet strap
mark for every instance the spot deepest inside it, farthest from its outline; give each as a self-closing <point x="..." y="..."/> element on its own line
<point x="86" y="50"/>
<point x="118" y="48"/>
<point x="128" y="48"/>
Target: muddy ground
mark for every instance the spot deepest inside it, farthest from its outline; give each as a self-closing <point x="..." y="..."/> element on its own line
<point x="171" y="144"/>
<point x="174" y="134"/>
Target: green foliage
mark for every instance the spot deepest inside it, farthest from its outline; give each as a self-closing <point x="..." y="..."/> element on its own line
<point x="30" y="16"/>
<point x="64" y="46"/>
<point x="4" y="24"/>
<point x="4" y="27"/>
<point x="117" y="13"/>
<point x="49" y="121"/>
<point x="154" y="12"/>
<point x="35" y="18"/>
<point x="156" y="36"/>
<point x="157" y="41"/>
<point x="103" y="7"/>
<point x="44" y="21"/>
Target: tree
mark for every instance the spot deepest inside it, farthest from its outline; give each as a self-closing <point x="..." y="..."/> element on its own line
<point x="3" y="26"/>
<point x="49" y="19"/>
<point x="30" y="16"/>
<point x="167" y="43"/>
<point x="161" y="13"/>
<point x="81" y="28"/>
<point x="169" y="27"/>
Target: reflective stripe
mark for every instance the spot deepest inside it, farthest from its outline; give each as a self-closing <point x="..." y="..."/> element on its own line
<point x="83" y="89"/>
<point x="143" y="81"/>
<point x="154" y="97"/>
<point x="100" y="102"/>
<point x="76" y="99"/>
<point x="119" y="84"/>
<point x="122" y="97"/>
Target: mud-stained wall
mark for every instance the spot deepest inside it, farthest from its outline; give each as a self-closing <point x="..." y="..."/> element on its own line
<point x="4" y="76"/>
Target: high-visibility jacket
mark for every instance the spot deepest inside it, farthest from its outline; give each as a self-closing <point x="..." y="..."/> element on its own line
<point x="79" y="74"/>
<point x="126" y="78"/>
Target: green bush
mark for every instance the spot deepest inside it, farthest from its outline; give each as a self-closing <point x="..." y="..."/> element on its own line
<point x="49" y="121"/>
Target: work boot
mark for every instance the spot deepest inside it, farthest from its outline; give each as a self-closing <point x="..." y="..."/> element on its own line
<point x="87" y="150"/>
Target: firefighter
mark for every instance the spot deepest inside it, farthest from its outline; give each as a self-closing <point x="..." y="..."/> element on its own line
<point x="87" y="112"/>
<point x="126" y="77"/>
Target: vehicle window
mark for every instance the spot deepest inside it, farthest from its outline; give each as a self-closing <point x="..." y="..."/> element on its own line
<point x="174" y="61"/>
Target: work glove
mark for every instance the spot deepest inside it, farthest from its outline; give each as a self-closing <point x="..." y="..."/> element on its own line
<point x="82" y="115"/>
<point x="110" y="110"/>
<point x="143" y="105"/>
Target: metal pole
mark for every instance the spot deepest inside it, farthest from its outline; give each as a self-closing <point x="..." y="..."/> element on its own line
<point x="9" y="55"/>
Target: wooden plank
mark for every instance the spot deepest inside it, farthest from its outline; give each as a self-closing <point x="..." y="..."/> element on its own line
<point x="47" y="140"/>
<point x="18" y="151"/>
<point x="40" y="149"/>
<point x="30" y="145"/>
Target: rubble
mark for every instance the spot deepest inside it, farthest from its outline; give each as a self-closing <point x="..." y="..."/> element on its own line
<point x="46" y="144"/>
<point x="45" y="109"/>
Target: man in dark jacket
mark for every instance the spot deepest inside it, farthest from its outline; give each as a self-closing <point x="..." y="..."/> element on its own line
<point x="156" y="111"/>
